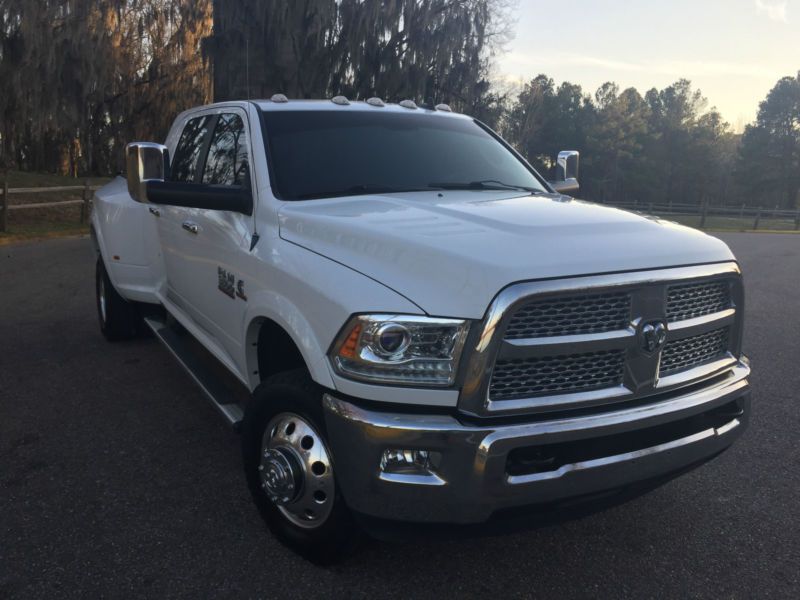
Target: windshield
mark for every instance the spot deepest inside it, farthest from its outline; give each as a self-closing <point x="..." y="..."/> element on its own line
<point x="322" y="154"/>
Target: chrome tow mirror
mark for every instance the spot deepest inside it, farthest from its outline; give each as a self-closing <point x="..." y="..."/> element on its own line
<point x="567" y="172"/>
<point x="145" y="162"/>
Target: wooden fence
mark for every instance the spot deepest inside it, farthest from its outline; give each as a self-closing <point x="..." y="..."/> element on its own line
<point x="754" y="216"/>
<point x="6" y="206"/>
<point x="742" y="215"/>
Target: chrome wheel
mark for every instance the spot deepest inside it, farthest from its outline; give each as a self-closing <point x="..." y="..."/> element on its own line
<point x="295" y="470"/>
<point x="101" y="298"/>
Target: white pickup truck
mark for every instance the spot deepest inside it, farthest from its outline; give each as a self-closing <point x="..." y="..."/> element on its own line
<point x="407" y="323"/>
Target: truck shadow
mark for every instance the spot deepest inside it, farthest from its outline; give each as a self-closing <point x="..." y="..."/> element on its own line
<point x="666" y="529"/>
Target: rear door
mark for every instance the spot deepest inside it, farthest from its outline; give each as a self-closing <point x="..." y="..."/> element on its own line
<point x="221" y="247"/>
<point x="177" y="242"/>
<point x="205" y="249"/>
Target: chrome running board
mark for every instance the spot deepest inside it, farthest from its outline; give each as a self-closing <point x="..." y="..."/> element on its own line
<point x="180" y="346"/>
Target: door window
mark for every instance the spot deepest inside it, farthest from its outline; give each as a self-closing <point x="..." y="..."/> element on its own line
<point x="227" y="161"/>
<point x="190" y="146"/>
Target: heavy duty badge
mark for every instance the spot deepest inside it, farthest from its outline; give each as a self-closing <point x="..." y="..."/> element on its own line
<point x="229" y="286"/>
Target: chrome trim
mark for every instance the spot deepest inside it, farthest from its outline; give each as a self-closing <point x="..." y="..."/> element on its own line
<point x="626" y="456"/>
<point x="525" y="348"/>
<point x="563" y="172"/>
<point x="145" y="161"/>
<point x="412" y="479"/>
<point x="698" y="373"/>
<point x="473" y="462"/>
<point x="395" y="426"/>
<point x="232" y="412"/>
<point x="634" y="418"/>
<point x="648" y="304"/>
<point x="557" y="401"/>
<point x="191" y="227"/>
<point x="700" y="324"/>
<point x="730" y="426"/>
<point x="101" y="297"/>
<point x="296" y="471"/>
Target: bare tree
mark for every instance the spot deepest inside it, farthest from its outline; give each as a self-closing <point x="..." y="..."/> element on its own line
<point x="422" y="49"/>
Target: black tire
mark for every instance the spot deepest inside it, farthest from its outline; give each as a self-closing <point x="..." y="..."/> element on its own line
<point x="118" y="318"/>
<point x="294" y="392"/>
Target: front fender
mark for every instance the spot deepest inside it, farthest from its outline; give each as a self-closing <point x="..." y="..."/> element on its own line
<point x="311" y="298"/>
<point x="279" y="309"/>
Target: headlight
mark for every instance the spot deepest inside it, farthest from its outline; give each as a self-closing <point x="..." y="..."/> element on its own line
<point x="400" y="349"/>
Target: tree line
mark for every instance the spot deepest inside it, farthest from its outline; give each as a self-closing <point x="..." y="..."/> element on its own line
<point x="665" y="145"/>
<point x="80" y="78"/>
<point x="83" y="77"/>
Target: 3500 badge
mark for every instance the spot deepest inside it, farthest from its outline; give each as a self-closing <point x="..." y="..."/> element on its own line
<point x="229" y="285"/>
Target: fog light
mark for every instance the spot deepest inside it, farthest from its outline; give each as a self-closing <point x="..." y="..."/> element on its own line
<point x="406" y="461"/>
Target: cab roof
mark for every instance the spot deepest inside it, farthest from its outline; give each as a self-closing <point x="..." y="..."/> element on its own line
<point x="357" y="105"/>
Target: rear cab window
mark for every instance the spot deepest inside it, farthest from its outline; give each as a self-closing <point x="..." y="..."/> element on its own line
<point x="227" y="161"/>
<point x="186" y="163"/>
<point x="212" y="150"/>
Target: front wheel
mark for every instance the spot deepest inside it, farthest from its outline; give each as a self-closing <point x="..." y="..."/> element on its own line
<point x="290" y="469"/>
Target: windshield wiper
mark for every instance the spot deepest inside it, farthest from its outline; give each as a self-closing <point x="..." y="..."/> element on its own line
<point x="483" y="184"/>
<point x="359" y="190"/>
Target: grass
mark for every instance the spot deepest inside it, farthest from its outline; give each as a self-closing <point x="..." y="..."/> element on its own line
<point x="44" y="223"/>
<point x="714" y="223"/>
<point x="44" y="231"/>
<point x="18" y="179"/>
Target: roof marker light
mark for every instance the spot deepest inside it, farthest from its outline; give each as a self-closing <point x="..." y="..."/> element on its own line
<point x="408" y="104"/>
<point x="279" y="98"/>
<point x="444" y="107"/>
<point x="340" y="100"/>
<point x="375" y="102"/>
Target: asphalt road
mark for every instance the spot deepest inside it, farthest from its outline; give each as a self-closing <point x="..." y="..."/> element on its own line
<point x="117" y="479"/>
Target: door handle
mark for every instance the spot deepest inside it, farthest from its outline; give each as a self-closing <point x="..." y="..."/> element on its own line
<point x="154" y="211"/>
<point x="191" y="227"/>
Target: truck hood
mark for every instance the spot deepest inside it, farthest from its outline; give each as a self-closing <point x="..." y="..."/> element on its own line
<point x="452" y="252"/>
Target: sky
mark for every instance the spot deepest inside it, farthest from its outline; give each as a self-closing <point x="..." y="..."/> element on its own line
<point x="733" y="50"/>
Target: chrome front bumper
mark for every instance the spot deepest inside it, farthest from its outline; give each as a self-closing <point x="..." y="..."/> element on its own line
<point x="472" y="478"/>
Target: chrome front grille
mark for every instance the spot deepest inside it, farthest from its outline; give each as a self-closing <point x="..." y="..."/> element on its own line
<point x="528" y="378"/>
<point x="690" y="300"/>
<point x="694" y="351"/>
<point x="575" y="315"/>
<point x="577" y="343"/>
